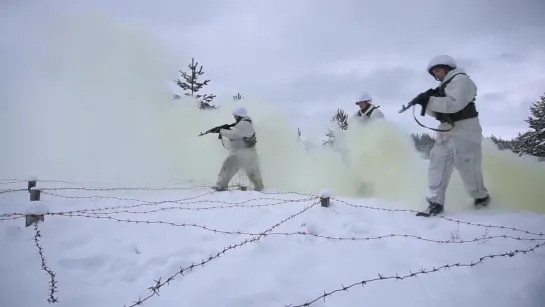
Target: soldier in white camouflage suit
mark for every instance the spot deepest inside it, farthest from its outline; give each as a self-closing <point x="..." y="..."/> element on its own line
<point x="242" y="152"/>
<point x="453" y="105"/>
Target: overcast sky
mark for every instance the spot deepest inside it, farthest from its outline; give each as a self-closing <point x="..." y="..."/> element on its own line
<point x="313" y="56"/>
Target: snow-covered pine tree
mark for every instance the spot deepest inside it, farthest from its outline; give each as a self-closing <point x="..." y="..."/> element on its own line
<point x="504" y="144"/>
<point x="532" y="142"/>
<point x="191" y="85"/>
<point x="341" y="118"/>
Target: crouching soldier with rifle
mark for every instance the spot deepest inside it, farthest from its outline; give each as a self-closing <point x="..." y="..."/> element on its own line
<point x="242" y="151"/>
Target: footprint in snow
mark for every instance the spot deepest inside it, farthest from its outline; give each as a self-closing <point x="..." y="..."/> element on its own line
<point x="91" y="263"/>
<point x="360" y="228"/>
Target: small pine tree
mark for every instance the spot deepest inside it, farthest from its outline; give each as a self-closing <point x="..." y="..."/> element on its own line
<point x="341" y="118"/>
<point x="191" y="86"/>
<point x="532" y="142"/>
<point x="330" y="138"/>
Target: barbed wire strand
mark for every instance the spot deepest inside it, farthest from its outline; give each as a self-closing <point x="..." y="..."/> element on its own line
<point x="154" y="290"/>
<point x="301" y="233"/>
<point x="422" y="271"/>
<point x="489" y="226"/>
<point x="52" y="279"/>
<point x="227" y="206"/>
<point x="99" y="211"/>
<point x="6" y="191"/>
<point x="117" y="197"/>
<point x="441" y="217"/>
<point x="7" y="182"/>
<point x="183" y="201"/>
<point x="80" y="183"/>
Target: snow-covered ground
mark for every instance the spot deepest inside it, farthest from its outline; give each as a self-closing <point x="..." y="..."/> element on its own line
<point x="184" y="245"/>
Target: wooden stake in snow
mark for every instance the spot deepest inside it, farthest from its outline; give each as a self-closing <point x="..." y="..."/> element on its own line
<point x="35" y="194"/>
<point x="325" y="196"/>
<point x="34" y="218"/>
<point x="31" y="183"/>
<point x="325" y="201"/>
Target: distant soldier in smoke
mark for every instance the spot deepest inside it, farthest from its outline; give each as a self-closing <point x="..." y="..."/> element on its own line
<point x="242" y="151"/>
<point x="368" y="111"/>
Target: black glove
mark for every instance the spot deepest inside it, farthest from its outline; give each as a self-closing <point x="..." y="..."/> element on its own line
<point x="218" y="128"/>
<point x="430" y="92"/>
<point x="423" y="99"/>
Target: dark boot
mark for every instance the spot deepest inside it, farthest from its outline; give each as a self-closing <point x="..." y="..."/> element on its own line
<point x="433" y="209"/>
<point x="482" y="202"/>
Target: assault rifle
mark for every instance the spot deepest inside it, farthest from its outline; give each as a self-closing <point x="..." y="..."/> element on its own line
<point x="412" y="103"/>
<point x="217" y="129"/>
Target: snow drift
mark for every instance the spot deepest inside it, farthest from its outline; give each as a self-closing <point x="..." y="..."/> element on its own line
<point x="85" y="99"/>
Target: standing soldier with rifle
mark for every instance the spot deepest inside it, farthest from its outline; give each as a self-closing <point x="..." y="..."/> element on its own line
<point x="242" y="151"/>
<point x="459" y="135"/>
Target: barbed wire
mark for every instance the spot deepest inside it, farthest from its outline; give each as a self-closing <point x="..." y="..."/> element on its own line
<point x="227" y="206"/>
<point x="45" y="192"/>
<point x="191" y="204"/>
<point x="52" y="280"/>
<point x="145" y="202"/>
<point x="98" y="211"/>
<point x="6" y="182"/>
<point x="441" y="217"/>
<point x="184" y="201"/>
<point x="141" y="188"/>
<point x="422" y="271"/>
<point x="5" y="191"/>
<point x="159" y="284"/>
<point x="301" y="233"/>
<point x="489" y="226"/>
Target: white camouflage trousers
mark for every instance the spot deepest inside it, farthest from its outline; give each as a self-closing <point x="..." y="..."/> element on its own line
<point x="246" y="159"/>
<point x="463" y="153"/>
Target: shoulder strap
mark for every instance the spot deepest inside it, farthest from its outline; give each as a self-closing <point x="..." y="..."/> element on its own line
<point x="368" y="114"/>
<point x="449" y="80"/>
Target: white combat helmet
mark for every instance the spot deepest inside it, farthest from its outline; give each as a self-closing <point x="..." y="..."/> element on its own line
<point x="240" y="111"/>
<point x="364" y="97"/>
<point x="441" y="60"/>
